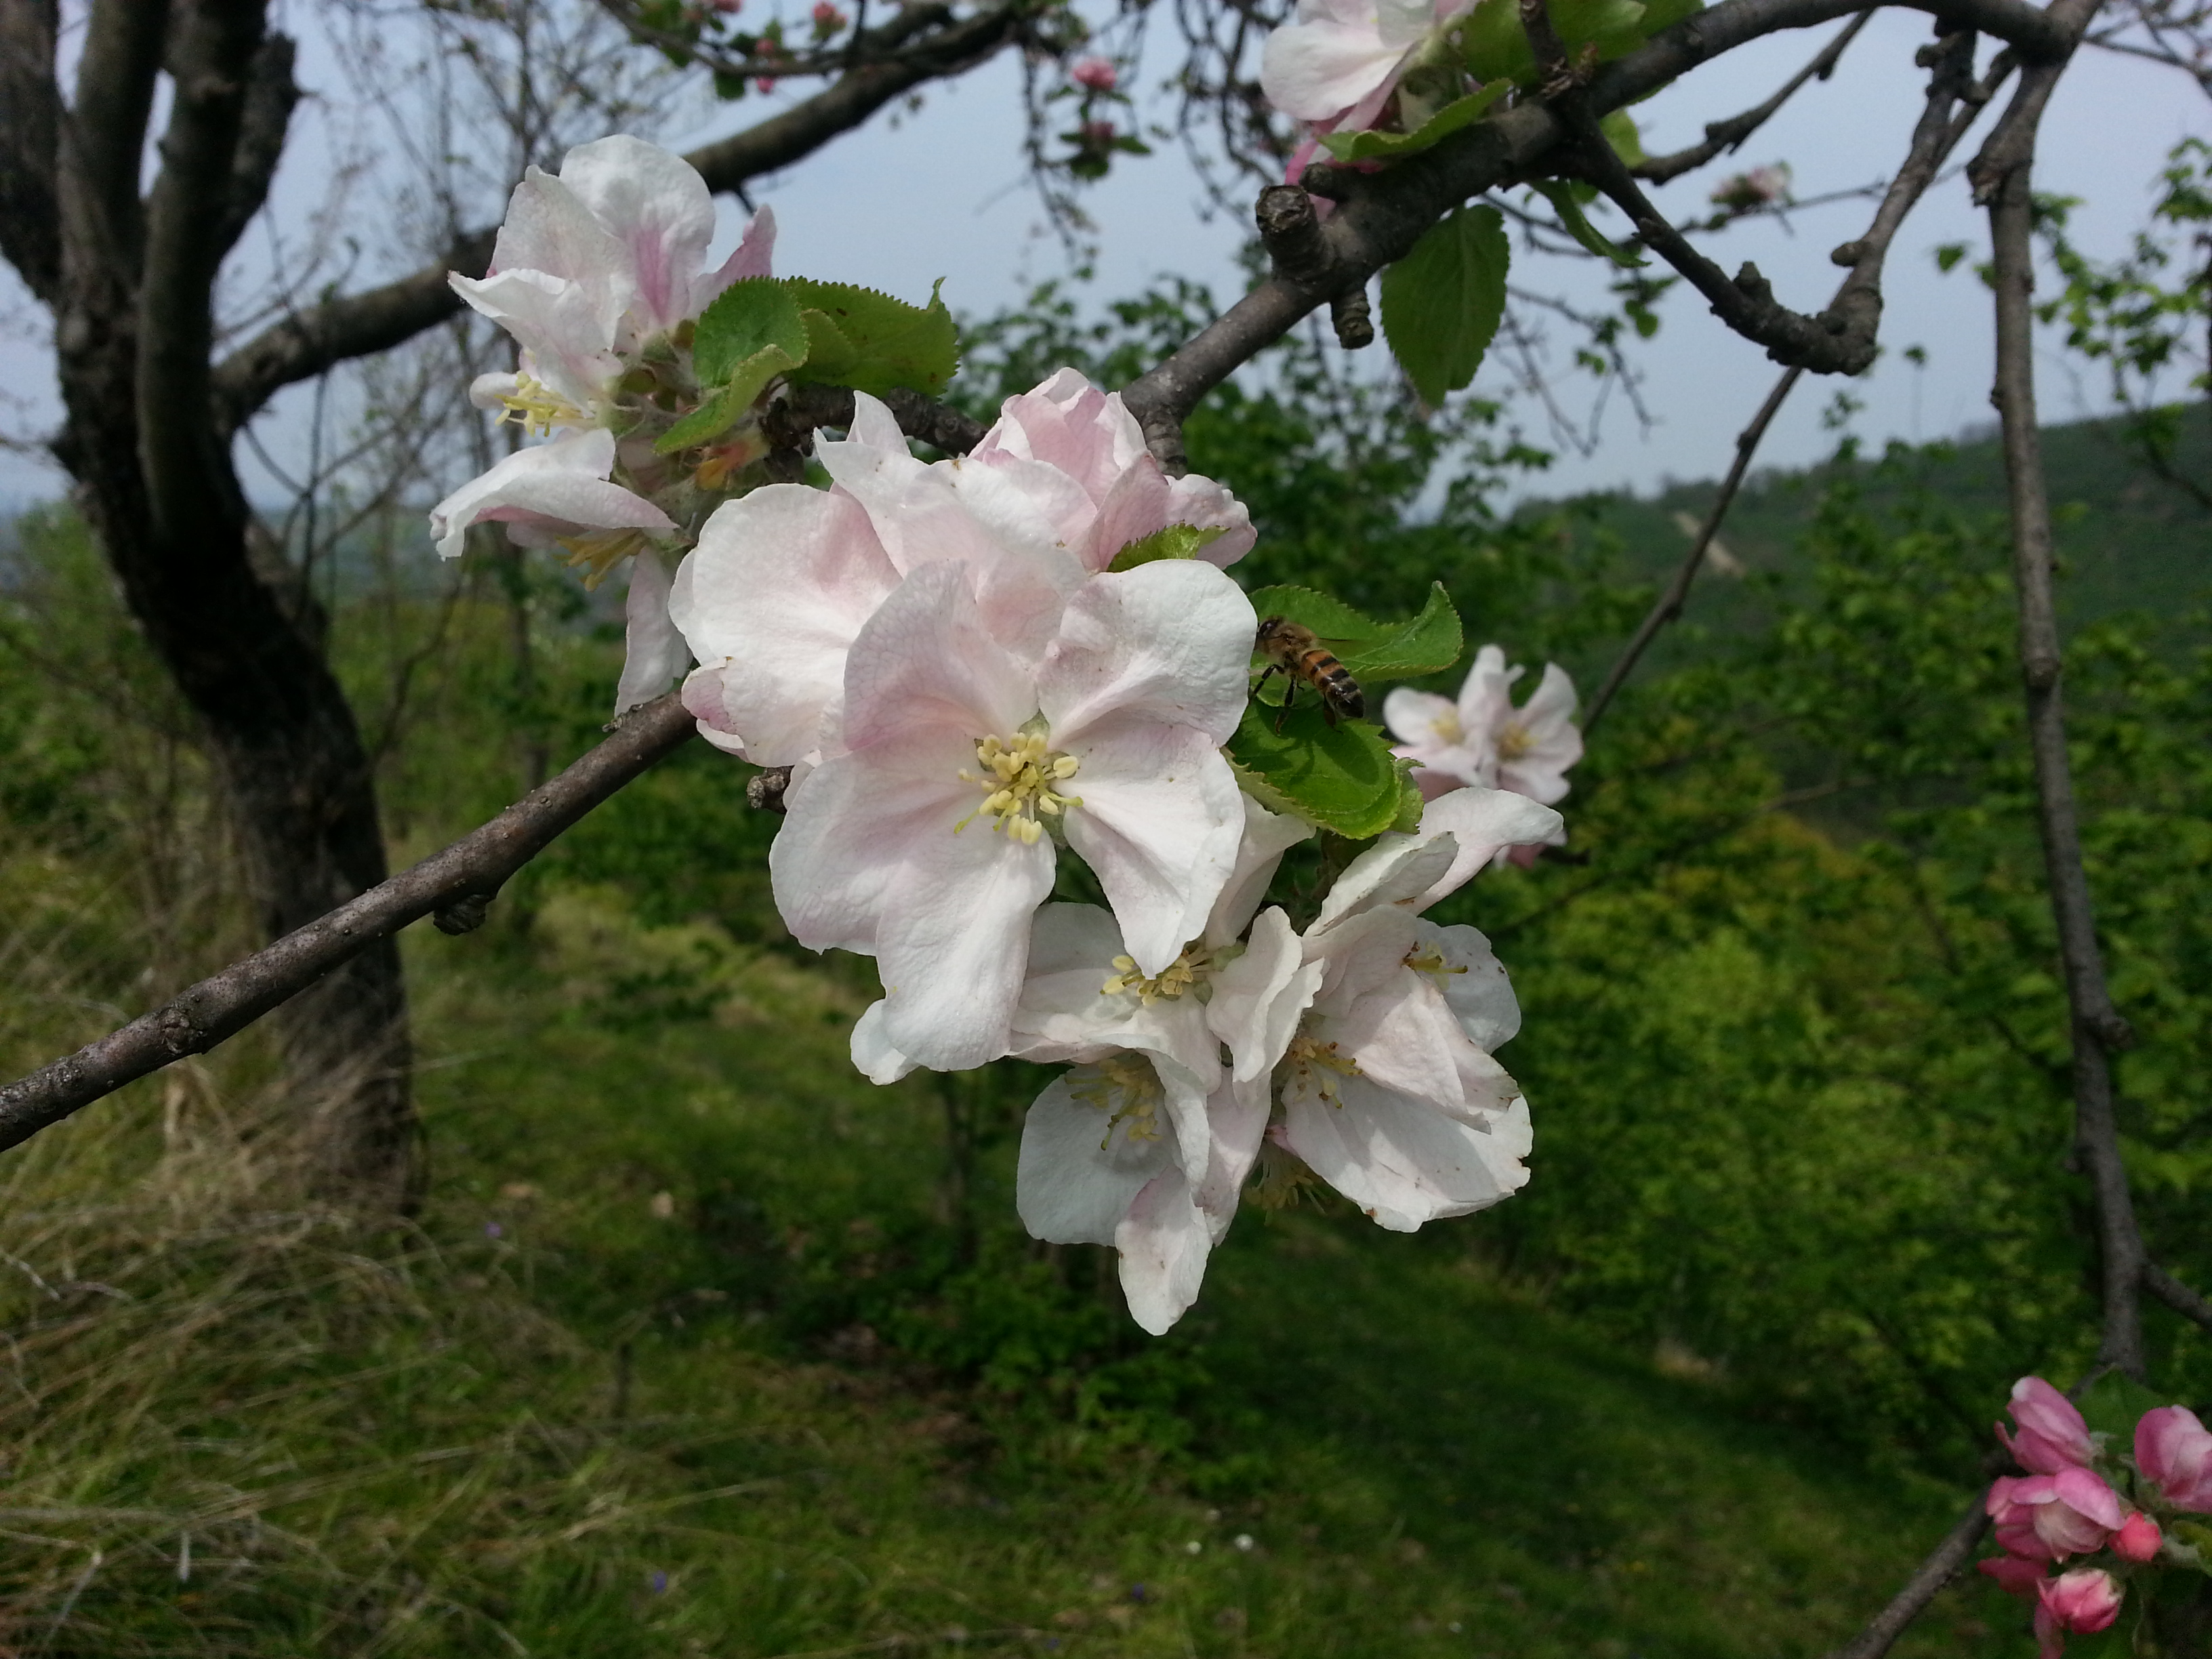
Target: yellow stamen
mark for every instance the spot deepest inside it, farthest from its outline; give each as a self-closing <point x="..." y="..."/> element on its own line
<point x="537" y="408"/>
<point x="1310" y="1057"/>
<point x="1446" y="725"/>
<point x="1020" y="779"/>
<point x="1514" y="742"/>
<point x="596" y="555"/>
<point x="1125" y="1086"/>
<point x="1429" y="959"/>
<point x="1185" y="972"/>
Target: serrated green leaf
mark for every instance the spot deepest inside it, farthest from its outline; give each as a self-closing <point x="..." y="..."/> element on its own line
<point x="1383" y="146"/>
<point x="1337" y="622"/>
<point x="1442" y="302"/>
<point x="2114" y="1404"/>
<point x="727" y="406"/>
<point x="1342" y="777"/>
<point x="1563" y="202"/>
<point x="828" y="351"/>
<point x="1177" y="541"/>
<point x="745" y="320"/>
<point x="1429" y="644"/>
<point x="1410" y="800"/>
<point x="888" y="343"/>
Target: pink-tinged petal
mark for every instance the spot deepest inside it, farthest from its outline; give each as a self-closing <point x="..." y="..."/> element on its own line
<point x="778" y="587"/>
<point x="873" y="1056"/>
<point x="655" y="655"/>
<point x="549" y="228"/>
<point x="2088" y="1496"/>
<point x="2175" y="1449"/>
<point x="1392" y="873"/>
<point x="1076" y="1177"/>
<point x="1482" y="822"/>
<point x="1199" y="500"/>
<point x="2137" y="1540"/>
<point x="703" y="696"/>
<point x="559" y="487"/>
<point x="1480" y="993"/>
<point x="952" y="946"/>
<point x="1400" y="1163"/>
<point x="2083" y="1601"/>
<point x="1259" y="996"/>
<point x="2014" y="1575"/>
<point x="658" y="208"/>
<point x="2052" y="1436"/>
<point x="1317" y="70"/>
<point x="1267" y="836"/>
<point x="1169" y="642"/>
<point x="1164" y="1241"/>
<point x="924" y="663"/>
<point x="754" y="255"/>
<point x="1070" y="424"/>
<point x="1160" y="819"/>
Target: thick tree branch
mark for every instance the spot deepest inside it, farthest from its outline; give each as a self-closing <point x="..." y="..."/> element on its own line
<point x="933" y="45"/>
<point x="1730" y="134"/>
<point x="1669" y="604"/>
<point x="222" y="1005"/>
<point x="30" y="115"/>
<point x="105" y="131"/>
<point x="270" y="94"/>
<point x="923" y="419"/>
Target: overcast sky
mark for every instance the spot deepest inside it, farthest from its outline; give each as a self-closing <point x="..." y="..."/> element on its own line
<point x="943" y="194"/>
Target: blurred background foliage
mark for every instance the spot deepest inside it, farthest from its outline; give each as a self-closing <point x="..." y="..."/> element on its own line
<point x="704" y="1345"/>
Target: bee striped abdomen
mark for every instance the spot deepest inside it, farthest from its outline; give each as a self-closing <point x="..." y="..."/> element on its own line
<point x="1335" y="681"/>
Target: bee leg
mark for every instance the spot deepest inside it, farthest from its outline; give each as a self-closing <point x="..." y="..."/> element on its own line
<point x="1290" y="695"/>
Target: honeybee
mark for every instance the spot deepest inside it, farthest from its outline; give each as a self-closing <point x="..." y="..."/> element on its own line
<point x="1297" y="654"/>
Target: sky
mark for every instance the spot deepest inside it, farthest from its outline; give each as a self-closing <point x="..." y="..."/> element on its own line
<point x="942" y="192"/>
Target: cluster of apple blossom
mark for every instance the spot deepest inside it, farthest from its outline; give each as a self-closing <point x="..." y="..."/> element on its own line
<point x="1482" y="737"/>
<point x="2071" y="1503"/>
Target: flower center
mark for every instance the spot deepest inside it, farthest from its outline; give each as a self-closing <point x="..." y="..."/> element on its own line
<point x="1019" y="778"/>
<point x="1188" y="972"/>
<point x="1514" y="742"/>
<point x="1429" y="959"/>
<point x="1321" y="1063"/>
<point x="1447" y="729"/>
<point x="537" y="408"/>
<point x="1128" y="1088"/>
<point x="599" y="553"/>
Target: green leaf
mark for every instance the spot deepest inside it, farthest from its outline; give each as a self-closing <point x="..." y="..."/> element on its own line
<point x="1495" y="48"/>
<point x="1442" y="302"/>
<point x="746" y="319"/>
<point x="1383" y="146"/>
<point x="1341" y="627"/>
<point x="885" y="342"/>
<point x="1429" y="644"/>
<point x="1620" y="130"/>
<point x="1571" y="215"/>
<point x="2114" y="1404"/>
<point x="728" y="405"/>
<point x="1177" y="541"/>
<point x="1342" y="777"/>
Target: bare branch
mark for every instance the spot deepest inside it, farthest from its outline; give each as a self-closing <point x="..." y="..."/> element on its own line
<point x="934" y="45"/>
<point x="270" y="94"/>
<point x="1944" y="1563"/>
<point x="30" y="114"/>
<point x="473" y="868"/>
<point x="1669" y="604"/>
<point x="1729" y="135"/>
<point x="2176" y="1295"/>
<point x="918" y="417"/>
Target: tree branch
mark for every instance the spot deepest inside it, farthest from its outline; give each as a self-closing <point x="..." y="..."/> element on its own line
<point x="358" y="325"/>
<point x="270" y="94"/>
<point x="473" y="868"/>
<point x="1669" y="604"/>
<point x="30" y="114"/>
<point x="921" y="418"/>
<point x="1730" y="134"/>
<point x="2176" y="1295"/>
<point x="1944" y="1563"/>
<point x="104" y="134"/>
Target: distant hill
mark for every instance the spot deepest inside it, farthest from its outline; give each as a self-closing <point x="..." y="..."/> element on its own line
<point x="2127" y="540"/>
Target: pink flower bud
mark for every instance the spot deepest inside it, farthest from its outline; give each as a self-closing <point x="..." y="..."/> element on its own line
<point x="2048" y="1517"/>
<point x="728" y="8"/>
<point x="2015" y="1575"/>
<point x="827" y="20"/>
<point x="2052" y="1436"/>
<point x="2080" y="1602"/>
<point x="1096" y="135"/>
<point x="2173" y="1449"/>
<point x="1095" y="73"/>
<point x="2137" y="1540"/>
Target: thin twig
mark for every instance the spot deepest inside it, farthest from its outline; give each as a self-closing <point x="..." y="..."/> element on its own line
<point x="1670" y="604"/>
<point x="2176" y="1295"/>
<point x="1944" y="1563"/>
<point x="1729" y="135"/>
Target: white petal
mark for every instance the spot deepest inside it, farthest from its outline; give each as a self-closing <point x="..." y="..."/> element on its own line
<point x="754" y="255"/>
<point x="924" y="659"/>
<point x="1075" y="1178"/>
<point x="1481" y="822"/>
<point x="1396" y="870"/>
<point x="654" y="652"/>
<point x="1159" y="823"/>
<point x="1237" y="1114"/>
<point x="567" y="330"/>
<point x="1421" y="717"/>
<point x="1267" y="836"/>
<point x="559" y="487"/>
<point x="1316" y="71"/>
<point x="873" y="1053"/>
<point x="1257" y="998"/>
<point x="1481" y="996"/>
<point x="779" y="586"/>
<point x="1400" y="1163"/>
<point x="659" y="209"/>
<point x="1164" y="1241"/>
<point x="550" y="229"/>
<point x="1169" y="642"/>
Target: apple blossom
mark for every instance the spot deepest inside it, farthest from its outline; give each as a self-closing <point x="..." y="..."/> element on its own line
<point x="922" y="842"/>
<point x="2174" y="1452"/>
<point x="1337" y="62"/>
<point x="2080" y="1602"/>
<point x="2137" y="1540"/>
<point x="2015" y="1574"/>
<point x="549" y="493"/>
<point x="2048" y="1517"/>
<point x="1480" y="737"/>
<point x="1389" y="1091"/>
<point x="783" y="579"/>
<point x="1094" y="74"/>
<point x="2052" y="1436"/>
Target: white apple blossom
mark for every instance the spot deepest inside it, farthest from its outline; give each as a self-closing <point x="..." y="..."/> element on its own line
<point x="1337" y="62"/>
<point x="783" y="579"/>
<point x="546" y="494"/>
<point x="921" y="840"/>
<point x="1482" y="738"/>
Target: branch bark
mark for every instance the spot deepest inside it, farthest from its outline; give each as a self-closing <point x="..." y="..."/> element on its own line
<point x="30" y="117"/>
<point x="359" y="324"/>
<point x="473" y="868"/>
<point x="2176" y="1295"/>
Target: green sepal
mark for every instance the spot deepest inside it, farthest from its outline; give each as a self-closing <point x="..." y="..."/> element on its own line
<point x="1443" y="302"/>
<point x="1342" y="777"/>
<point x="728" y="405"/>
<point x="2114" y="1404"/>
<point x="1385" y="146"/>
<point x="2188" y="1543"/>
<point x="1562" y="198"/>
<point x="873" y="342"/>
<point x="1177" y="541"/>
<point x="1410" y="798"/>
<point x="1428" y="644"/>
